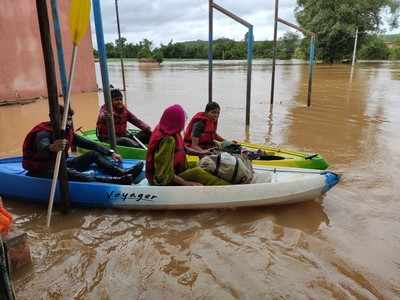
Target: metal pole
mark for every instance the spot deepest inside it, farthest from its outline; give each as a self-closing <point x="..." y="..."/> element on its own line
<point x="104" y="71"/>
<point x="249" y="71"/>
<point x="355" y="48"/>
<point x="274" y="51"/>
<point x="121" y="52"/>
<point x="210" y="51"/>
<point x="52" y="92"/>
<point x="60" y="49"/>
<point x="311" y="67"/>
<point x="231" y="15"/>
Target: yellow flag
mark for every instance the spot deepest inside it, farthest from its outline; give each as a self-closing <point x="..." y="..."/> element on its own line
<point x="79" y="19"/>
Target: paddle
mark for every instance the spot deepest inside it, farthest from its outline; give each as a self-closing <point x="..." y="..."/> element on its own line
<point x="78" y="22"/>
<point x="139" y="142"/>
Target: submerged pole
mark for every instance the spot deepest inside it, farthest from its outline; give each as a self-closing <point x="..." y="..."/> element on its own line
<point x="249" y="72"/>
<point x="311" y="67"/>
<point x="104" y="71"/>
<point x="121" y="52"/>
<point x="274" y="52"/>
<point x="210" y="51"/>
<point x="60" y="49"/>
<point x="355" y="48"/>
<point x="52" y="92"/>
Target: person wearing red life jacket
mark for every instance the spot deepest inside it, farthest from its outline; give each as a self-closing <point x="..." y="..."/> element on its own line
<point x="121" y="118"/>
<point x="40" y="150"/>
<point x="166" y="162"/>
<point x="201" y="133"/>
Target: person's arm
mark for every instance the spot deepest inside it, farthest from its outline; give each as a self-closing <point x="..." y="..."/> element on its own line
<point x="90" y="145"/>
<point x="197" y="152"/>
<point x="103" y="114"/>
<point x="219" y="138"/>
<point x="137" y="122"/>
<point x="44" y="145"/>
<point x="197" y="131"/>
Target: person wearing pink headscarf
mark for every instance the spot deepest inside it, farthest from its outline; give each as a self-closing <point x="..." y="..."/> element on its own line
<point x="166" y="162"/>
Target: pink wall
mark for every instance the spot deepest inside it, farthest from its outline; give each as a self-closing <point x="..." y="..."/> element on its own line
<point x="22" y="73"/>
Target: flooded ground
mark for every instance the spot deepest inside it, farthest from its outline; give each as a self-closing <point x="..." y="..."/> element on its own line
<point x="346" y="246"/>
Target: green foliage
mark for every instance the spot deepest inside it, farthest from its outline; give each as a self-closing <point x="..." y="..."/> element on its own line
<point x="394" y="54"/>
<point x="158" y="55"/>
<point x="335" y="23"/>
<point x="287" y="45"/>
<point x="373" y="48"/>
<point x="145" y="49"/>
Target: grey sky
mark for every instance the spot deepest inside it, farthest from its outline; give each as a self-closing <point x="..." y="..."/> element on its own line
<point x="184" y="20"/>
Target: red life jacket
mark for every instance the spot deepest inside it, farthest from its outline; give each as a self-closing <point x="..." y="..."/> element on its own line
<point x="120" y="122"/>
<point x="179" y="157"/>
<point x="31" y="159"/>
<point x="206" y="139"/>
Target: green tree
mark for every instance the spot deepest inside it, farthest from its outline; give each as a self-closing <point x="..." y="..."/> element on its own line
<point x="145" y="49"/>
<point x="287" y="45"/>
<point x="335" y="22"/>
<point x="374" y="48"/>
<point x="111" y="52"/>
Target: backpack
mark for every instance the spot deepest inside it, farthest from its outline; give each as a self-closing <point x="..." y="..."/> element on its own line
<point x="234" y="168"/>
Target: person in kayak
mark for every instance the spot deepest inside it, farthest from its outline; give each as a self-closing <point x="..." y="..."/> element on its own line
<point x="201" y="133"/>
<point x="40" y="151"/>
<point x="166" y="162"/>
<point x="121" y="118"/>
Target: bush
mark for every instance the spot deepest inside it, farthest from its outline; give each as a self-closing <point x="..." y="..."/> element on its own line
<point x="374" y="48"/>
<point x="394" y="54"/>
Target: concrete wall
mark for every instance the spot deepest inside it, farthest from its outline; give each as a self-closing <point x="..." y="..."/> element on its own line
<point x="22" y="73"/>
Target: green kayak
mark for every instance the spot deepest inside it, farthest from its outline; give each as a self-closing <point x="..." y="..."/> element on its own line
<point x="274" y="156"/>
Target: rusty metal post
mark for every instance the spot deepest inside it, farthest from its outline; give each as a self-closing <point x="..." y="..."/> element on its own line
<point x="274" y="52"/>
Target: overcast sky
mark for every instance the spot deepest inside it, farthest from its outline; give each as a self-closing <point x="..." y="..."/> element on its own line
<point x="186" y="20"/>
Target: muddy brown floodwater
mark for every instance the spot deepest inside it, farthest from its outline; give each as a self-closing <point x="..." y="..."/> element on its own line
<point x="344" y="246"/>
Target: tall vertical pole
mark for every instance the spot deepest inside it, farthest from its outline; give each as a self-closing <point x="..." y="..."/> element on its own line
<point x="311" y="67"/>
<point x="104" y="71"/>
<point x="52" y="92"/>
<point x="249" y="71"/>
<point x="210" y="52"/>
<point x="60" y="49"/>
<point x="121" y="51"/>
<point x="274" y="51"/>
<point x="355" y="48"/>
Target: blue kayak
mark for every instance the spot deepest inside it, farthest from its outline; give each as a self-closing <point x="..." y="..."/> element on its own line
<point x="270" y="186"/>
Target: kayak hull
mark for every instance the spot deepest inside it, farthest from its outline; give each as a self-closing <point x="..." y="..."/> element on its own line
<point x="272" y="186"/>
<point x="280" y="157"/>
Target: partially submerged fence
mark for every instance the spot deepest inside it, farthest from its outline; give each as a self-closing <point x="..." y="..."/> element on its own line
<point x="250" y="40"/>
<point x="311" y="54"/>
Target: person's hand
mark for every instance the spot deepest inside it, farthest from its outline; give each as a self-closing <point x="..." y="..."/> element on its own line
<point x="116" y="157"/>
<point x="192" y="183"/>
<point x="235" y="142"/>
<point x="212" y="150"/>
<point x="58" y="145"/>
<point x="204" y="153"/>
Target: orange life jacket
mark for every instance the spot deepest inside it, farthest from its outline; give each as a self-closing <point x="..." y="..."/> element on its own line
<point x="206" y="139"/>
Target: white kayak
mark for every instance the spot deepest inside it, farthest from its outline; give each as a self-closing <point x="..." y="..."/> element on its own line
<point x="271" y="186"/>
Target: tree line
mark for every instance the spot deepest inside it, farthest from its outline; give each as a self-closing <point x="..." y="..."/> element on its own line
<point x="334" y="22"/>
<point x="223" y="48"/>
<point x="372" y="47"/>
